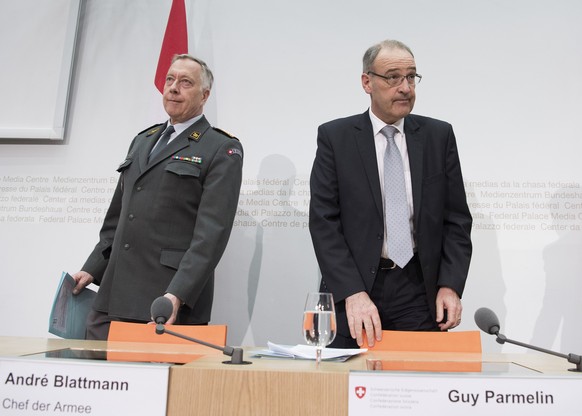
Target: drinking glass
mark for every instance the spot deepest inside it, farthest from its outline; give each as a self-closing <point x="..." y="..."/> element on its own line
<point x="319" y="324"/>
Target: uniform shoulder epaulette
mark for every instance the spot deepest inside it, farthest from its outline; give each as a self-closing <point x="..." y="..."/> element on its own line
<point x="225" y="133"/>
<point x="151" y="129"/>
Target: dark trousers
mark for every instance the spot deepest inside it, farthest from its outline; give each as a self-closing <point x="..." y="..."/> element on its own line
<point x="98" y="324"/>
<point x="400" y="296"/>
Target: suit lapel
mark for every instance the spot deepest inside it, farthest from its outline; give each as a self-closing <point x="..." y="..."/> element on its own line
<point x="365" y="144"/>
<point x="414" y="143"/>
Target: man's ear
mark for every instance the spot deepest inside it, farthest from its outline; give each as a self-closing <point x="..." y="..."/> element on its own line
<point x="205" y="95"/>
<point x="366" y="83"/>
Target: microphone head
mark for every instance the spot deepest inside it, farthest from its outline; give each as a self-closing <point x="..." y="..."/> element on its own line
<point x="487" y="321"/>
<point x="161" y="310"/>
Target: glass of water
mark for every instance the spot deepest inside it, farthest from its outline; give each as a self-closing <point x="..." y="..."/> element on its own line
<point x="319" y="324"/>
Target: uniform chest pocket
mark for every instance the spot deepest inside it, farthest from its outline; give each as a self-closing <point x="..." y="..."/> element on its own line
<point x="183" y="169"/>
<point x="180" y="187"/>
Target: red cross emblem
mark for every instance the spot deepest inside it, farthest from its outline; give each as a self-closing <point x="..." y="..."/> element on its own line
<point x="360" y="391"/>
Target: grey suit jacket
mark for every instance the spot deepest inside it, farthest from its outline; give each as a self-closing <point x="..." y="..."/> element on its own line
<point x="168" y="223"/>
<point x="346" y="214"/>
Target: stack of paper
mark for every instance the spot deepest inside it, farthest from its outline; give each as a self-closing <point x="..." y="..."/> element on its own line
<point x="307" y="352"/>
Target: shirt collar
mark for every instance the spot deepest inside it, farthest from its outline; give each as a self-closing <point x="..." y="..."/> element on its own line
<point x="180" y="127"/>
<point x="378" y="125"/>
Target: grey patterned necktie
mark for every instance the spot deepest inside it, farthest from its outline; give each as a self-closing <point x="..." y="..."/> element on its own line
<point x="396" y="213"/>
<point x="162" y="142"/>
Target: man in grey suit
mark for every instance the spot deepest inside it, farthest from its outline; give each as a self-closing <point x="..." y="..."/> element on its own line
<point x="171" y="214"/>
<point x="352" y="210"/>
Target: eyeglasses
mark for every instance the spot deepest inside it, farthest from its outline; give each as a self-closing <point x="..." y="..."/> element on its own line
<point x="396" y="80"/>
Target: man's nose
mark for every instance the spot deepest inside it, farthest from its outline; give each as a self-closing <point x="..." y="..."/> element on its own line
<point x="173" y="87"/>
<point x="404" y="86"/>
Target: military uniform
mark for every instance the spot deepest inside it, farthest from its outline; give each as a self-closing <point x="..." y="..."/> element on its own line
<point x="168" y="223"/>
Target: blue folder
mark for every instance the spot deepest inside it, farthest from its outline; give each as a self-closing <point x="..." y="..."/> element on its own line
<point x="69" y="312"/>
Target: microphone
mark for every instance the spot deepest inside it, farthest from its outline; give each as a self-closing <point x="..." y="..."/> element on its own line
<point x="488" y="322"/>
<point x="161" y="311"/>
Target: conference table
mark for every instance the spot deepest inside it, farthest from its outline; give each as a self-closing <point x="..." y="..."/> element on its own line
<point x="273" y="386"/>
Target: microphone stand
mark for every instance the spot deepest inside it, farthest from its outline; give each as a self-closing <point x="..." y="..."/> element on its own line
<point x="572" y="358"/>
<point x="235" y="354"/>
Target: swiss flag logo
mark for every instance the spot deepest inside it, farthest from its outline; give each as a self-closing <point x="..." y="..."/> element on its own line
<point x="360" y="391"/>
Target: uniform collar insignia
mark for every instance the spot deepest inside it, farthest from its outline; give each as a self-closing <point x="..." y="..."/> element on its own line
<point x="152" y="131"/>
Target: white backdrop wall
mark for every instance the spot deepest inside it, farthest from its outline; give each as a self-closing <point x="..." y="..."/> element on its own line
<point x="505" y="74"/>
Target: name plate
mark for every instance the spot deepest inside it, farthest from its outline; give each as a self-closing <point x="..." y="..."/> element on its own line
<point x="447" y="394"/>
<point x="57" y="387"/>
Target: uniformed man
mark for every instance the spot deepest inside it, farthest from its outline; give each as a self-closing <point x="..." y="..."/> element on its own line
<point x="171" y="214"/>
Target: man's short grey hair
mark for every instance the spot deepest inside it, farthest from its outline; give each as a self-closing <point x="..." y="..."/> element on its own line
<point x="206" y="77"/>
<point x="373" y="51"/>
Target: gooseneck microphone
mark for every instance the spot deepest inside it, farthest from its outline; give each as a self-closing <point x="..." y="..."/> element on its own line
<point x="488" y="322"/>
<point x="161" y="311"/>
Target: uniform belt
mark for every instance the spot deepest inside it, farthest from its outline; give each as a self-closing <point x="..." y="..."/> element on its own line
<point x="386" y="264"/>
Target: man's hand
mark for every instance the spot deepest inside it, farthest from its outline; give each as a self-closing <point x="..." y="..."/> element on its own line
<point x="362" y="312"/>
<point x="176" y="303"/>
<point x="447" y="299"/>
<point x="83" y="280"/>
